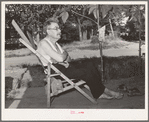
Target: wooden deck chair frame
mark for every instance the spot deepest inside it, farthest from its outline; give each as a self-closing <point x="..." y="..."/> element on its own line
<point x="27" y="43"/>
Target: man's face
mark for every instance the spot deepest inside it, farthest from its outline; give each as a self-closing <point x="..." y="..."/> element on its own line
<point x="54" y="31"/>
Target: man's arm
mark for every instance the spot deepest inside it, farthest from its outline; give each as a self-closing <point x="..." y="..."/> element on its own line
<point x="68" y="58"/>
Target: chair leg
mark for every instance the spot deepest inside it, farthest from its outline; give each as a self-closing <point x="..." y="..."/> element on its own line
<point x="78" y="89"/>
<point x="85" y="94"/>
<point x="48" y="86"/>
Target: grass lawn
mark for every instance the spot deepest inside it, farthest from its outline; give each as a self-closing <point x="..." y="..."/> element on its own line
<point x="76" y="45"/>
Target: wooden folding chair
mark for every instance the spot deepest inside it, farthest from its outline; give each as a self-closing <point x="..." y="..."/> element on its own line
<point x="71" y="85"/>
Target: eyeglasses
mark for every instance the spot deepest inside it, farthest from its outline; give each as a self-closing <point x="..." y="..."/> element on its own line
<point x="56" y="28"/>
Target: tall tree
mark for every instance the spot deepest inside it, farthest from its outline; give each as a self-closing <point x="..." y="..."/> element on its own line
<point x="31" y="17"/>
<point x="138" y="13"/>
<point x="79" y="9"/>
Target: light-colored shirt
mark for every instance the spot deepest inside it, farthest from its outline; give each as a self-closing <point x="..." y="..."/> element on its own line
<point x="43" y="53"/>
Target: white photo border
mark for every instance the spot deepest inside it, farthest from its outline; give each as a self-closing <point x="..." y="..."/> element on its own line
<point x="65" y="114"/>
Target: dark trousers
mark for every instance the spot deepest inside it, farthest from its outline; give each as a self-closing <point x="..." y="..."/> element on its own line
<point x="86" y="72"/>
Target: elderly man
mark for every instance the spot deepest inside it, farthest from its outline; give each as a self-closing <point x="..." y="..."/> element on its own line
<point x="61" y="59"/>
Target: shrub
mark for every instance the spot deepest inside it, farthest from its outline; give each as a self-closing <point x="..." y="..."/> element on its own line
<point x="94" y="39"/>
<point x="13" y="43"/>
<point x="117" y="67"/>
<point x="114" y="68"/>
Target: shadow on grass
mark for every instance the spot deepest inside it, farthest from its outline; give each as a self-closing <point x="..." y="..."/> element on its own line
<point x="8" y="85"/>
<point x="8" y="88"/>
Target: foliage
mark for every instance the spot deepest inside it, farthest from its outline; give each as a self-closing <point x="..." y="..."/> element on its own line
<point x="69" y="32"/>
<point x="136" y="22"/>
<point x="78" y="18"/>
<point x="31" y="17"/>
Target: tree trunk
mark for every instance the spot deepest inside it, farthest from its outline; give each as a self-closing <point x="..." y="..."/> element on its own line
<point x="140" y="60"/>
<point x="80" y="32"/>
<point x="91" y="34"/>
<point x="111" y="28"/>
<point x="85" y="35"/>
<point x="88" y="34"/>
<point x="100" y="46"/>
<point x="139" y="35"/>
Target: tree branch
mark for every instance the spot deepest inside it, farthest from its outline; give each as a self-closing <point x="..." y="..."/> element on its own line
<point x="84" y="16"/>
<point x="90" y="18"/>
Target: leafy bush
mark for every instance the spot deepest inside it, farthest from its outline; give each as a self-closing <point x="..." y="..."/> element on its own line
<point x="117" y="67"/>
<point x="94" y="39"/>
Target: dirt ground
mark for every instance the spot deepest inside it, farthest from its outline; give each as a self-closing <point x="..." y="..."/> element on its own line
<point x="35" y="97"/>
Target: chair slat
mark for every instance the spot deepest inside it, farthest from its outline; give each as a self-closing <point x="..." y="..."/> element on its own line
<point x="54" y="75"/>
<point x="70" y="87"/>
